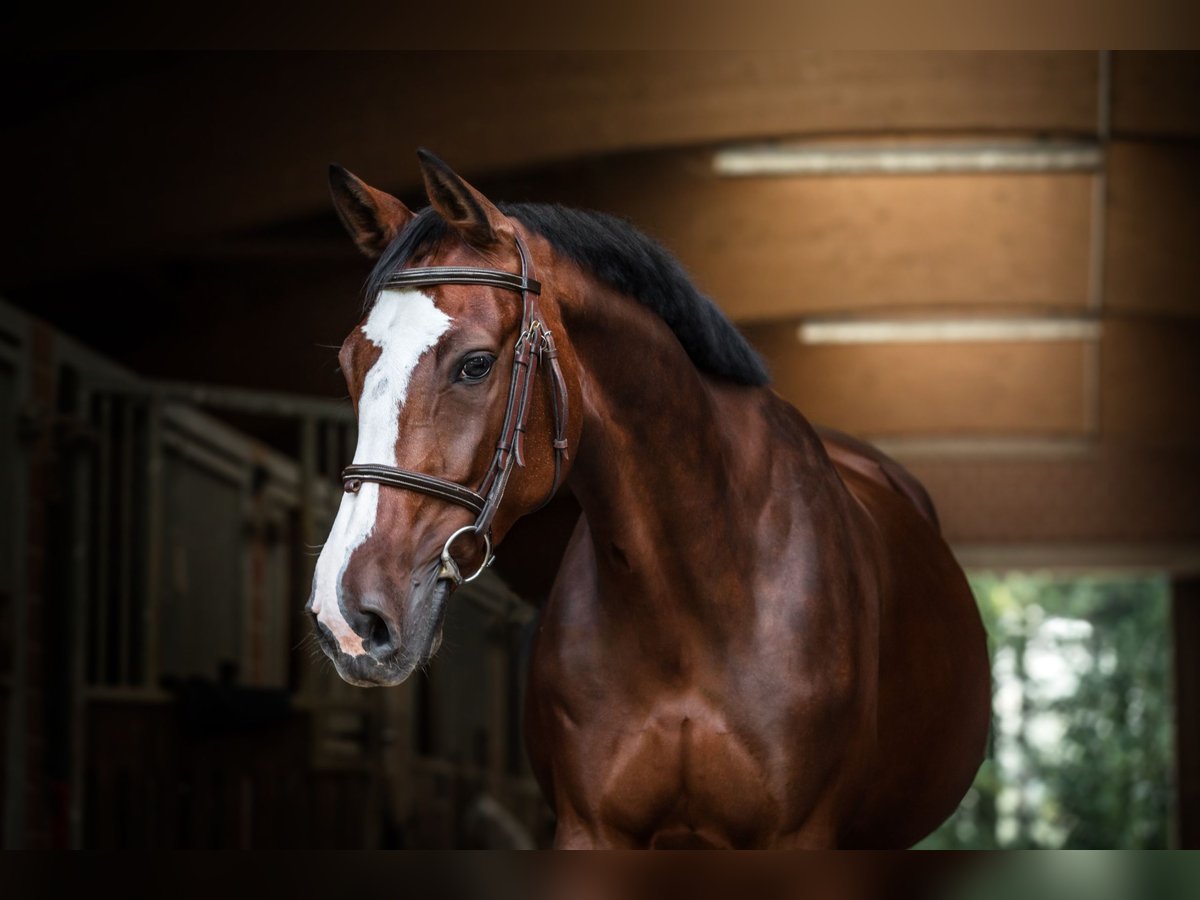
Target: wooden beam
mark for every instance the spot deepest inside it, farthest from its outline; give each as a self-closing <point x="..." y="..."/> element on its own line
<point x="931" y="389"/>
<point x="771" y="247"/>
<point x="1115" y="495"/>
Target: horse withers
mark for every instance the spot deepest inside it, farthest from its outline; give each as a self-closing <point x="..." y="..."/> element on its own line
<point x="757" y="636"/>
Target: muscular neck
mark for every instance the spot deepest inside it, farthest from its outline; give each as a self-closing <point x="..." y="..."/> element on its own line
<point x="661" y="470"/>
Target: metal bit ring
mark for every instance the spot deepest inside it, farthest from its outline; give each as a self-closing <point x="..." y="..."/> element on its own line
<point x="450" y="568"/>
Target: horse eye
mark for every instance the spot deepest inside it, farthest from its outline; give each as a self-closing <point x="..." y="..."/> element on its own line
<point x="476" y="368"/>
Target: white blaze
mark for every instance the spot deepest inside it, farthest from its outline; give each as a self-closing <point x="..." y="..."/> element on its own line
<point x="403" y="324"/>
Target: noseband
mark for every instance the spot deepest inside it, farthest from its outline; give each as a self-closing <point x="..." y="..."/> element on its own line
<point x="534" y="344"/>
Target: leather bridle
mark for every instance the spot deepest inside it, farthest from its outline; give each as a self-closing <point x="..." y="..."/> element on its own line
<point x="534" y="344"/>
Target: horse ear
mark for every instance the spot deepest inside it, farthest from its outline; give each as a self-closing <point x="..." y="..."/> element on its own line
<point x="372" y="216"/>
<point x="470" y="213"/>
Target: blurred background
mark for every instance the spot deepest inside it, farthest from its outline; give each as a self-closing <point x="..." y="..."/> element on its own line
<point x="986" y="263"/>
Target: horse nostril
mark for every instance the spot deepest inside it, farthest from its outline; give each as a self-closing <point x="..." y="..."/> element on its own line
<point x="378" y="642"/>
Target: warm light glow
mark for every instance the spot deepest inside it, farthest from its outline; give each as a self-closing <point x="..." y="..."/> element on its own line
<point x="910" y="159"/>
<point x="910" y="331"/>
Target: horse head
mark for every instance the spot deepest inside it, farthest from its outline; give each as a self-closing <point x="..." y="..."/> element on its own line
<point x="460" y="377"/>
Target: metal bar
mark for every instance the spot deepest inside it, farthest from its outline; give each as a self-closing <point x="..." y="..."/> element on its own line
<point x="102" y="372"/>
<point x="279" y="597"/>
<point x="250" y="606"/>
<point x="234" y="471"/>
<point x="213" y="463"/>
<point x="926" y="158"/>
<point x="103" y="590"/>
<point x="125" y="541"/>
<point x="220" y="439"/>
<point x="308" y="521"/>
<point x="271" y="403"/>
<point x="153" y="512"/>
<point x="80" y="480"/>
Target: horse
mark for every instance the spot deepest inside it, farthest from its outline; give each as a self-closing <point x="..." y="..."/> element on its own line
<point x="757" y="636"/>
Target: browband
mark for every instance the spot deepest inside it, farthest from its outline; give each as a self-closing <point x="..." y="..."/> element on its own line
<point x="463" y="275"/>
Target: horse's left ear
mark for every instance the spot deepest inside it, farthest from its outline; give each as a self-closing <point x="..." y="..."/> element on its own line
<point x="470" y="213"/>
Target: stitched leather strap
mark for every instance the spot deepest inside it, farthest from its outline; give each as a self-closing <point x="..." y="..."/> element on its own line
<point x="450" y="491"/>
<point x="464" y="275"/>
<point x="558" y="395"/>
<point x="529" y="360"/>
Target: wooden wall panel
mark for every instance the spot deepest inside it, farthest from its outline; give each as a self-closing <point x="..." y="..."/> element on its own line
<point x="767" y="248"/>
<point x="1151" y="259"/>
<point x="882" y="390"/>
<point x="1142" y="496"/>
<point x="1156" y="93"/>
<point x="1150" y="382"/>
<point x="774" y="247"/>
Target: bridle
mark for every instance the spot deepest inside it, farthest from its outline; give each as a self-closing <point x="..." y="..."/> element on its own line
<point x="534" y="344"/>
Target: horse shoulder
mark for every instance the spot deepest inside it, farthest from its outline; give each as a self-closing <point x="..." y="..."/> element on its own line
<point x="850" y="453"/>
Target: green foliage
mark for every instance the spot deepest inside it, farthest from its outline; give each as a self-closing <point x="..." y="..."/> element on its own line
<point x="1080" y="752"/>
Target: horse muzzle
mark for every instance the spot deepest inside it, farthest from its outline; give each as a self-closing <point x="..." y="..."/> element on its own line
<point x="396" y="639"/>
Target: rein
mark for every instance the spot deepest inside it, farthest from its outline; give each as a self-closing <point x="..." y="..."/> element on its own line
<point x="534" y="344"/>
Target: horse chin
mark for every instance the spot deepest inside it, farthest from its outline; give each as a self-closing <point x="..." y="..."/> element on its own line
<point x="361" y="671"/>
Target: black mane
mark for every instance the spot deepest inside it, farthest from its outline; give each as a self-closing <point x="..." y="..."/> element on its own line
<point x="625" y="259"/>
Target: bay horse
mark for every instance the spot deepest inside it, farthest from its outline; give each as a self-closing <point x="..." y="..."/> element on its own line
<point x="757" y="636"/>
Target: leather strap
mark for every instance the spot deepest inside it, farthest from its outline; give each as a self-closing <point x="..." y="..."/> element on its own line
<point x="450" y="491"/>
<point x="528" y="358"/>
<point x="558" y="395"/>
<point x="464" y="275"/>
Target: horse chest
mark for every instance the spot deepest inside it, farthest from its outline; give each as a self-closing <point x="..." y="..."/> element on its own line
<point x="651" y="734"/>
<point x="682" y="777"/>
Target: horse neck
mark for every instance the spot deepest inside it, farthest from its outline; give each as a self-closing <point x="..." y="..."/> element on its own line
<point x="661" y="472"/>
